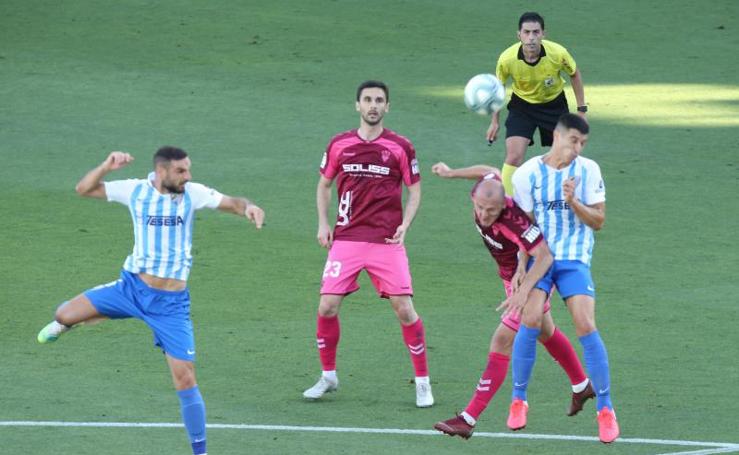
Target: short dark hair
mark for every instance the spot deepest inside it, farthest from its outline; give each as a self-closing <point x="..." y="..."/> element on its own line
<point x="168" y="153"/>
<point x="531" y="16"/>
<point x="573" y="121"/>
<point x="373" y="84"/>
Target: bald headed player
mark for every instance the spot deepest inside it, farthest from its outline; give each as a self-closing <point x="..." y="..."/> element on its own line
<point x="505" y="230"/>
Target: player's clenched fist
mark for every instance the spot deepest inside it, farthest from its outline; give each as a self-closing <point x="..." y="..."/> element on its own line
<point x="117" y="160"/>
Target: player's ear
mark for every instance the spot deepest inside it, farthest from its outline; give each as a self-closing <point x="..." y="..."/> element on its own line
<point x="356" y="106"/>
<point x="387" y="106"/>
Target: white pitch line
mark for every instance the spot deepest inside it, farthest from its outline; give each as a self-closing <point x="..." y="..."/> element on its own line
<point x="716" y="447"/>
<point x="728" y="449"/>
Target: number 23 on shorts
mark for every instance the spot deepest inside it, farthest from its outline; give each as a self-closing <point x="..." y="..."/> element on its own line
<point x="332" y="269"/>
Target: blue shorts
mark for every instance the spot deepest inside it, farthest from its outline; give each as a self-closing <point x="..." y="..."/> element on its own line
<point x="570" y="278"/>
<point x="167" y="313"/>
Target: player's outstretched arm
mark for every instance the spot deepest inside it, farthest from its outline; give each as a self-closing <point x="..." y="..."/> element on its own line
<point x="91" y="185"/>
<point x="243" y="207"/>
<point x="473" y="172"/>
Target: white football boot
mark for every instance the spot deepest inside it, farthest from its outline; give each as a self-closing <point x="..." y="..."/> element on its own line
<point x="424" y="398"/>
<point x="323" y="386"/>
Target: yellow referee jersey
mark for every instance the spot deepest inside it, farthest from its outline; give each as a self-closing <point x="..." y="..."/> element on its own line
<point x="539" y="82"/>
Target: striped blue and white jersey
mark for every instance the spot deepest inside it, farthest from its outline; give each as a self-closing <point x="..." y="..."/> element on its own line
<point x="538" y="189"/>
<point x="162" y="224"/>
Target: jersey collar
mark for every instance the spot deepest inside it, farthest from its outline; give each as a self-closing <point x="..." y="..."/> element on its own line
<point x="522" y="58"/>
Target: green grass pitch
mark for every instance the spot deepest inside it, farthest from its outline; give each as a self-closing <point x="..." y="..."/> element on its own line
<point x="254" y="90"/>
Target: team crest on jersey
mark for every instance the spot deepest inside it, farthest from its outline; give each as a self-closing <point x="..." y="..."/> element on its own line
<point x="549" y="82"/>
<point x="385" y="155"/>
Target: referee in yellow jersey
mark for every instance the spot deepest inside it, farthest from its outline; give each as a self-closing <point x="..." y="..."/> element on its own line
<point x="535" y="66"/>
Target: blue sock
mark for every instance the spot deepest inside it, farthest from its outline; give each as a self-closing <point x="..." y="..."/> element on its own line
<point x="193" y="415"/>
<point x="596" y="360"/>
<point x="524" y="356"/>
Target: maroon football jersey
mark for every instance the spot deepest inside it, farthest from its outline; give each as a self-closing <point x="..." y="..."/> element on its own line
<point x="513" y="230"/>
<point x="369" y="178"/>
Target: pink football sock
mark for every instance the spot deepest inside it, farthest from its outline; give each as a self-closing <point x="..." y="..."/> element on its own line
<point x="491" y="380"/>
<point x="415" y="340"/>
<point x="328" y="331"/>
<point x="560" y="348"/>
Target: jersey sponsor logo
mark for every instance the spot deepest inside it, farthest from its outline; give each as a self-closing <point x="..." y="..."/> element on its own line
<point x="414" y="167"/>
<point x="366" y="168"/>
<point x="156" y="220"/>
<point x="489" y="240"/>
<point x="559" y="204"/>
<point x="532" y="233"/>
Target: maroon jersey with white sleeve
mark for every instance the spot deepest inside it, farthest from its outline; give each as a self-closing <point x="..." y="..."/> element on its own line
<point x="513" y="230"/>
<point x="369" y="183"/>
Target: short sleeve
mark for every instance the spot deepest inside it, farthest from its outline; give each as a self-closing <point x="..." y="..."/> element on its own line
<point x="594" y="187"/>
<point x="203" y="196"/>
<point x="522" y="190"/>
<point x="409" y="168"/>
<point x="328" y="163"/>
<point x="501" y="70"/>
<point x="516" y="227"/>
<point x="568" y="63"/>
<point x="120" y="190"/>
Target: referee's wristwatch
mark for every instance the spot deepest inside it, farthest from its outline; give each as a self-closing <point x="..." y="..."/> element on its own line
<point x="583" y="108"/>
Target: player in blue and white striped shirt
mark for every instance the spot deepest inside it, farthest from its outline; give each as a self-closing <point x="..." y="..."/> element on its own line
<point x="564" y="193"/>
<point x="153" y="283"/>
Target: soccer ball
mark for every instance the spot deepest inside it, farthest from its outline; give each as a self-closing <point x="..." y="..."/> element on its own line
<point x="484" y="94"/>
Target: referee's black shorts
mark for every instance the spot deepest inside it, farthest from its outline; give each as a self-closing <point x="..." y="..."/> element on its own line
<point x="524" y="118"/>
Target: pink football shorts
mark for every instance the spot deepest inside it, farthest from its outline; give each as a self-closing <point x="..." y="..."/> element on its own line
<point x="514" y="322"/>
<point x="386" y="265"/>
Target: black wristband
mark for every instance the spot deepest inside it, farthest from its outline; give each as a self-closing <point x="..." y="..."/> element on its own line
<point x="582" y="108"/>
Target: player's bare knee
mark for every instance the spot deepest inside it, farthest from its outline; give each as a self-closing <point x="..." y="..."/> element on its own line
<point x="403" y="307"/>
<point x="64" y="315"/>
<point x="502" y="341"/>
<point x="184" y="377"/>
<point x="584" y="328"/>
<point x="531" y="320"/>
<point x="328" y="306"/>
